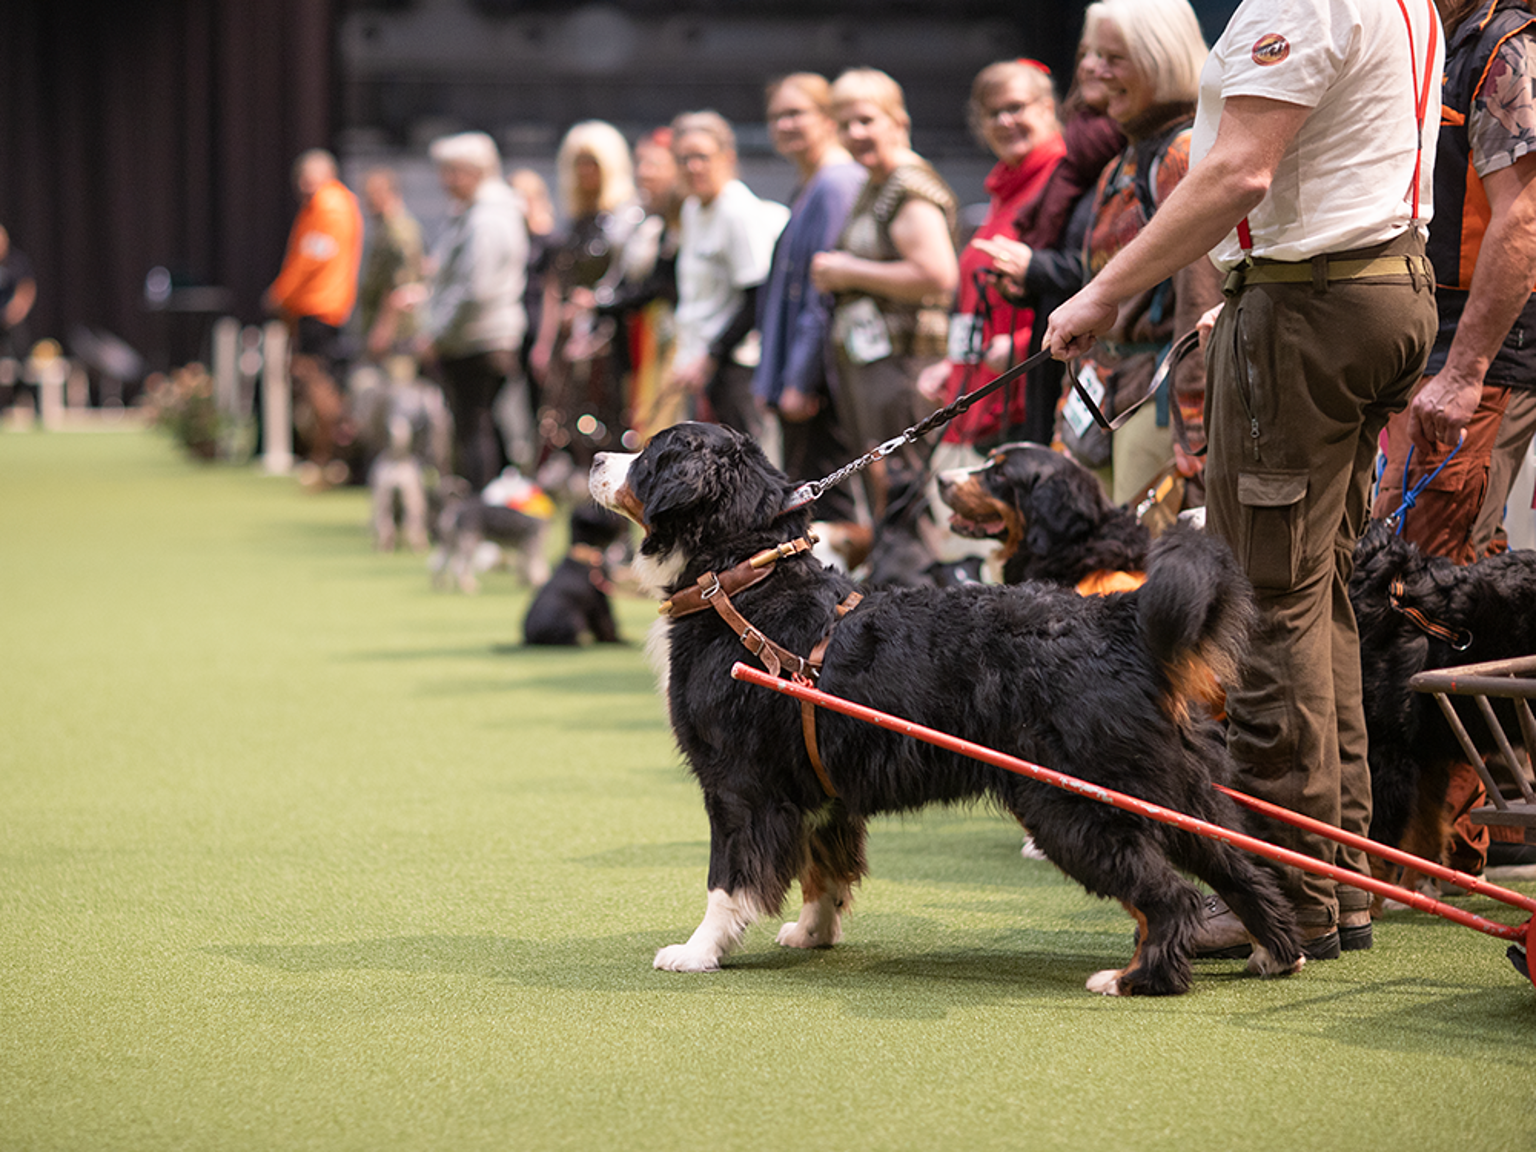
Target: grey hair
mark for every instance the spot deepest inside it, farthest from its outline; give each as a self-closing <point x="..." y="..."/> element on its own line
<point x="1164" y="40"/>
<point x="469" y="150"/>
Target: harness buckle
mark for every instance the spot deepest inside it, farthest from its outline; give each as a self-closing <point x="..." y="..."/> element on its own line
<point x="708" y="590"/>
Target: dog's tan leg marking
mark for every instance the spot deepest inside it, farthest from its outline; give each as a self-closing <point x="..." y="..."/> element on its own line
<point x="821" y="915"/>
<point x="1107" y="982"/>
<point x="725" y="920"/>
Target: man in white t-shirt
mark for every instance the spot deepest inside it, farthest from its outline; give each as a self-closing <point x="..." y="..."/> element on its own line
<point x="725" y="247"/>
<point x="1314" y="155"/>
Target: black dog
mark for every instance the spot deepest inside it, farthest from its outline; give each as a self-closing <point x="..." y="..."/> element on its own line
<point x="1490" y="606"/>
<point x="575" y="600"/>
<point x="1051" y="514"/>
<point x="1098" y="687"/>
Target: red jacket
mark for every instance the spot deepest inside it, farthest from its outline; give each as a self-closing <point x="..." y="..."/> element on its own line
<point x="1010" y="189"/>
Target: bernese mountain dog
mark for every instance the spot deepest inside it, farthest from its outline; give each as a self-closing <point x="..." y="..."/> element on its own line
<point x="1097" y="687"/>
<point x="1418" y="613"/>
<point x="1052" y="517"/>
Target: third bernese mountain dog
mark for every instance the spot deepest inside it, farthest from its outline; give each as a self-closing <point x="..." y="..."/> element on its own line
<point x="1098" y="687"/>
<point x="1418" y="613"/>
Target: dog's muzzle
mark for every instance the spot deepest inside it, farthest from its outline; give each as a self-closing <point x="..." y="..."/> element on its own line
<point x="609" y="471"/>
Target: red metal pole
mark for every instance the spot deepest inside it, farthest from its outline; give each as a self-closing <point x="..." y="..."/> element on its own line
<point x="744" y="672"/>
<point x="1395" y="855"/>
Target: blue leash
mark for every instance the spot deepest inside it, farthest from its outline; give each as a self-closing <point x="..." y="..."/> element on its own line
<point x="1411" y="493"/>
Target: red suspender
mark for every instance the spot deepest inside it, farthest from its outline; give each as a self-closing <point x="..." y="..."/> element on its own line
<point x="1420" y="88"/>
<point x="1420" y="108"/>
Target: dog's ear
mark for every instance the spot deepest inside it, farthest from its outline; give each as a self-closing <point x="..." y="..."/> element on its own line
<point x="681" y="481"/>
<point x="709" y="467"/>
<point x="1062" y="509"/>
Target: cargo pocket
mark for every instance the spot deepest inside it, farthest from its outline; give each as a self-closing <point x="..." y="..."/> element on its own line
<point x="1274" y="516"/>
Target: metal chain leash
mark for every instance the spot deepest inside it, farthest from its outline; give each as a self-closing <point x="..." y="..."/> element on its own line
<point x="808" y="492"/>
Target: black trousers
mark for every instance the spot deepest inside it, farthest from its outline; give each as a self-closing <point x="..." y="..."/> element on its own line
<point x="470" y="385"/>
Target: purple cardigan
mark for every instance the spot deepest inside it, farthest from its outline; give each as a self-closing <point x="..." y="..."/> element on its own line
<point x="792" y="317"/>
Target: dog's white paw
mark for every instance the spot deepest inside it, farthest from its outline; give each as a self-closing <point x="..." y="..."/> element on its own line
<point x="1106" y="983"/>
<point x="1262" y="963"/>
<point x="683" y="958"/>
<point x="796" y="935"/>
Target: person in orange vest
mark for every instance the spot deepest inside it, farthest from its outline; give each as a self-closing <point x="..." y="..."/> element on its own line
<point x="315" y="292"/>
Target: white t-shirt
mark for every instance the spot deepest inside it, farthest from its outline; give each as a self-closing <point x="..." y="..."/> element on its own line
<point x="1346" y="180"/>
<point x="724" y="247"/>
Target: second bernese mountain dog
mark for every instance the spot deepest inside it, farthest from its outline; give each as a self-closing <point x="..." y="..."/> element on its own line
<point x="1097" y="687"/>
<point x="1052" y="517"/>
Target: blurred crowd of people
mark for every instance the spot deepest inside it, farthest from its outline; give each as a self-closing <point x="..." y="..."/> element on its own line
<point x="655" y="286"/>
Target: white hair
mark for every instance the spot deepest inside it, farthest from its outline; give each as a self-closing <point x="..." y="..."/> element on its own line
<point x="469" y="150"/>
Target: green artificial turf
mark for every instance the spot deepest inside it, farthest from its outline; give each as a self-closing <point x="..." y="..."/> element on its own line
<point x="297" y="853"/>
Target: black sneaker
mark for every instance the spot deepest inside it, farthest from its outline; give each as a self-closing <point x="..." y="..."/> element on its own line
<point x="1355" y="933"/>
<point x="1508" y="861"/>
<point x="1324" y="946"/>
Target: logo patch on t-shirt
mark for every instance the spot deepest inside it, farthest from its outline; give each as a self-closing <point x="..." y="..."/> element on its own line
<point x="1270" y="49"/>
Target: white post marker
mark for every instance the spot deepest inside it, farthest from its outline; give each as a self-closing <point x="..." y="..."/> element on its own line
<point x="276" y="403"/>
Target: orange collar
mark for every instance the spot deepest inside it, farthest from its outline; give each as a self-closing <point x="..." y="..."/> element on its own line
<point x="1107" y="580"/>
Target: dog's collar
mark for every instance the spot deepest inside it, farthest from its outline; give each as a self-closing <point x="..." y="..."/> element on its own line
<point x="588" y="555"/>
<point x="753" y="570"/>
<point x="1458" y="638"/>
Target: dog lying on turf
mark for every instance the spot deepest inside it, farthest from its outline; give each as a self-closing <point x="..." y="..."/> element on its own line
<point x="1052" y="516"/>
<point x="1096" y="687"/>
<point x="574" y="602"/>
<point x="1490" y="606"/>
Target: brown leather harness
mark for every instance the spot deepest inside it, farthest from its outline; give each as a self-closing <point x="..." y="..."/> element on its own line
<point x="714" y="590"/>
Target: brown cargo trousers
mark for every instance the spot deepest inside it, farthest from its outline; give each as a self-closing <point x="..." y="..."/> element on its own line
<point x="1302" y="378"/>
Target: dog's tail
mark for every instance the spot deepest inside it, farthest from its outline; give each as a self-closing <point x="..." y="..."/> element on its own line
<point x="1196" y="613"/>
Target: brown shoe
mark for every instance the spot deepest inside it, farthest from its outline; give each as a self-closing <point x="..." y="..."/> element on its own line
<point x="1221" y="935"/>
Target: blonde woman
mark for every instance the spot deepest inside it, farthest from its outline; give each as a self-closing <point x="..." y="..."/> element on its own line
<point x="793" y="319"/>
<point x="573" y="359"/>
<point x="892" y="274"/>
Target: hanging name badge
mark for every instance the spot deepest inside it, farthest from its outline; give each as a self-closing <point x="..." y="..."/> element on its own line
<point x="964" y="343"/>
<point x="1075" y="412"/>
<point x="864" y="335"/>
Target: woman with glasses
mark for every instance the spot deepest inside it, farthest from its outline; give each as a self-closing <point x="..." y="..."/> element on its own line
<point x="1012" y="111"/>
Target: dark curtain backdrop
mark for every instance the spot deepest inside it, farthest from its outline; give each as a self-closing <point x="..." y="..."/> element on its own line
<point x="138" y="133"/>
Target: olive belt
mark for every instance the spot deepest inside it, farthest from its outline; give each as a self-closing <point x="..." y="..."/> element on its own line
<point x="1320" y="271"/>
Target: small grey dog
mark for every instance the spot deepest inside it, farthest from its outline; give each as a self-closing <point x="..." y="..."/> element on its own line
<point x="506" y="523"/>
<point x="407" y="422"/>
